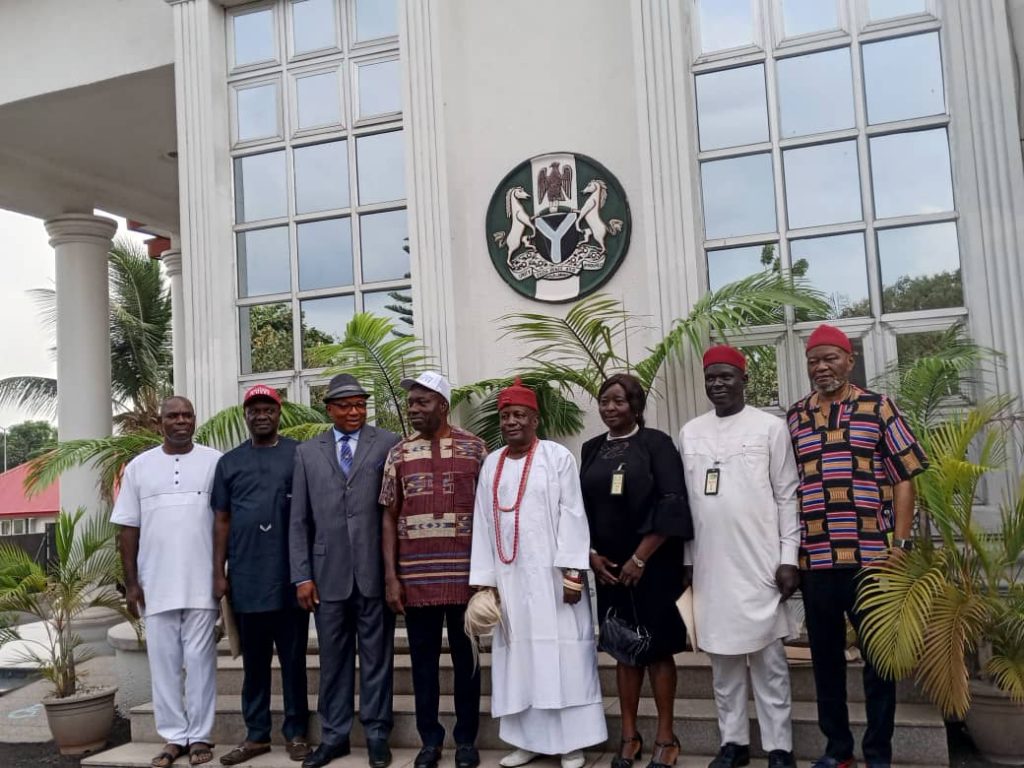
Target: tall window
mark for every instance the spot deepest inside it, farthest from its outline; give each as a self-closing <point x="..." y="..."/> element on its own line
<point x="319" y="184"/>
<point x="824" y="149"/>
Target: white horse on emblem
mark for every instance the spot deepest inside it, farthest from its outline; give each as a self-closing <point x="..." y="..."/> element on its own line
<point x="590" y="213"/>
<point x="519" y="222"/>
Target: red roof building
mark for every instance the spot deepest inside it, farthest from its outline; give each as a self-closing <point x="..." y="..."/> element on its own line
<point x="20" y="513"/>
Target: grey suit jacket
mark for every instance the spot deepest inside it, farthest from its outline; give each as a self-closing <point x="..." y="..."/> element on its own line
<point x="334" y="534"/>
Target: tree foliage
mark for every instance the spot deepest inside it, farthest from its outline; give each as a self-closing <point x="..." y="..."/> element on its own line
<point x="27" y="440"/>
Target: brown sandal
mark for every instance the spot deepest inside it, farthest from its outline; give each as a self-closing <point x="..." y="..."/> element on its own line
<point x="620" y="761"/>
<point x="200" y="753"/>
<point x="166" y="758"/>
<point x="244" y="752"/>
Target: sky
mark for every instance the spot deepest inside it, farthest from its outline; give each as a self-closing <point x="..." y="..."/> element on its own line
<point x="26" y="262"/>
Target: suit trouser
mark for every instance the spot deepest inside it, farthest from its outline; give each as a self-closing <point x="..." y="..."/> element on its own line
<point x="829" y="597"/>
<point x="177" y="641"/>
<point x="424" y="626"/>
<point x="338" y="624"/>
<point x="769" y="676"/>
<point x="259" y="633"/>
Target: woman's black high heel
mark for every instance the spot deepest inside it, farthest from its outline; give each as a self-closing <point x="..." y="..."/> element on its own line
<point x="627" y="762"/>
<point x="657" y="759"/>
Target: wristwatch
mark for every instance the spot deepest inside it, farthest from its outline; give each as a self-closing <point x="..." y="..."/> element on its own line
<point x="905" y="544"/>
<point x="638" y="562"/>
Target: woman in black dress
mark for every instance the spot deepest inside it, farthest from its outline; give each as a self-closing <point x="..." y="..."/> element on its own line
<point x="635" y="497"/>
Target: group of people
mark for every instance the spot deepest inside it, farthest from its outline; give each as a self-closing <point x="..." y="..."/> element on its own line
<point x="358" y="526"/>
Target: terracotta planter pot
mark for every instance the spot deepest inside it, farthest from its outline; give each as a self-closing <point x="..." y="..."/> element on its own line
<point x="81" y="723"/>
<point x="996" y="724"/>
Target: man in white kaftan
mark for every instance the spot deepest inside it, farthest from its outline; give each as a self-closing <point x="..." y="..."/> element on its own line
<point x="741" y="479"/>
<point x="545" y="686"/>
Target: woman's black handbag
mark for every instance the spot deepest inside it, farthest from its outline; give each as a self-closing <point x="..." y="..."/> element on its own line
<point x="627" y="643"/>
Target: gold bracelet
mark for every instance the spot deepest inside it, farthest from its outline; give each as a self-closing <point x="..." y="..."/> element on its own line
<point x="573" y="587"/>
<point x="637" y="561"/>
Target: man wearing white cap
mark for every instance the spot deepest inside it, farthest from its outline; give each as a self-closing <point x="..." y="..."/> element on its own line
<point x="428" y="493"/>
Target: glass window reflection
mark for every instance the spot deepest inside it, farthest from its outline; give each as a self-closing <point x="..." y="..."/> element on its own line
<point x="920" y="267"/>
<point x="837" y="267"/>
<point x="903" y="78"/>
<point x="732" y="107"/>
<point x="257" y="112"/>
<point x="380" y="88"/>
<point x="381" y="167"/>
<point x="323" y="322"/>
<point x="325" y="254"/>
<point x="887" y="9"/>
<point x="725" y="24"/>
<point x="254" y="37"/>
<point x="383" y="238"/>
<point x="318" y="100"/>
<point x="395" y="305"/>
<point x="822" y="184"/>
<point x="802" y="17"/>
<point x="263" y="262"/>
<point x="376" y="18"/>
<point x="313" y="25"/>
<point x="266" y="337"/>
<point x="739" y="196"/>
<point x="727" y="265"/>
<point x="260" y="191"/>
<point x="816" y="93"/>
<point x="321" y="177"/>
<point x="762" y="389"/>
<point x="911" y="173"/>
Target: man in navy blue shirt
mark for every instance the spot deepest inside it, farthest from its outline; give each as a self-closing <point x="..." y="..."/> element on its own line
<point x="251" y="498"/>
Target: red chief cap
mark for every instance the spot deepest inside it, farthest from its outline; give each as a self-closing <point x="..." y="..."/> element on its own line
<point x="517" y="394"/>
<point x="261" y="390"/>
<point x="723" y="353"/>
<point x="830" y="335"/>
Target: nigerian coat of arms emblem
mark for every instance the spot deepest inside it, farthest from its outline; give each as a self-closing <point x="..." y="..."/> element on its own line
<point x="558" y="227"/>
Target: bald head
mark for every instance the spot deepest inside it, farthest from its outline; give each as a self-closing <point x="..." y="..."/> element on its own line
<point x="177" y="423"/>
<point x="175" y="401"/>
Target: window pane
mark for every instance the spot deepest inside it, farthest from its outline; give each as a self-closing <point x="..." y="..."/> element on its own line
<point x="732" y="107"/>
<point x="837" y="267"/>
<point x="911" y="174"/>
<point x="739" y="196"/>
<point x="316" y="397"/>
<point x="816" y="93"/>
<point x="381" y="167"/>
<point x="727" y="265"/>
<point x="321" y="177"/>
<point x="762" y="390"/>
<point x="376" y="18"/>
<point x="395" y="305"/>
<point x="260" y="191"/>
<point x="801" y="17"/>
<point x="920" y="268"/>
<point x="313" y="25"/>
<point x="725" y="24"/>
<point x="257" y="112"/>
<point x="380" y="88"/>
<point x="325" y="254"/>
<point x="384" y="240"/>
<point x="903" y="78"/>
<point x="254" y="37"/>
<point x="318" y="100"/>
<point x="323" y="322"/>
<point x="263" y="263"/>
<point x="911" y="347"/>
<point x="266" y="337"/>
<point x="886" y="9"/>
<point x="822" y="184"/>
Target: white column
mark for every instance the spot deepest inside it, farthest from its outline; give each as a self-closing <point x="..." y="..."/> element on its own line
<point x="81" y="242"/>
<point x="172" y="263"/>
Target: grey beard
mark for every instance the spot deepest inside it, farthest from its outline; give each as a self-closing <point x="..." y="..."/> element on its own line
<point x="828" y="389"/>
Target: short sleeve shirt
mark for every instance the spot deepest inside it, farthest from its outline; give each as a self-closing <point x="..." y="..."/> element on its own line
<point x="434" y="484"/>
<point x="848" y="461"/>
<point x="254" y="485"/>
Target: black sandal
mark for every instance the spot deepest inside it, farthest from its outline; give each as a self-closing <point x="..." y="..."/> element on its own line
<point x="627" y="762"/>
<point x="166" y="758"/>
<point x="657" y="761"/>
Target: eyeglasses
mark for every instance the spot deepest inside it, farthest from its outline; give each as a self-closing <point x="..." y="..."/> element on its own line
<point x="346" y="407"/>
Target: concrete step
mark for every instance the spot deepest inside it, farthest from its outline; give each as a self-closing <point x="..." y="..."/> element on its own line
<point x="694" y="677"/>
<point x="138" y="755"/>
<point x="920" y="733"/>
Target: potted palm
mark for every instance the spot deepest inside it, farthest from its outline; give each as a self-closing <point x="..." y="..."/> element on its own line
<point x="82" y="576"/>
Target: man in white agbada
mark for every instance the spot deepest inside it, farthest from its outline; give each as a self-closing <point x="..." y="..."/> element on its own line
<point x="165" y="537"/>
<point x="532" y="543"/>
<point x="741" y="479"/>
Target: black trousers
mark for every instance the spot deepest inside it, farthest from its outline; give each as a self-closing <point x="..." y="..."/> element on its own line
<point x="259" y="633"/>
<point x="829" y="596"/>
<point x="424" y="629"/>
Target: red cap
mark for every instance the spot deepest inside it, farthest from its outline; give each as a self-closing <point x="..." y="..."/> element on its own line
<point x="517" y="394"/>
<point x="261" y="390"/>
<point x="830" y="335"/>
<point x="723" y="353"/>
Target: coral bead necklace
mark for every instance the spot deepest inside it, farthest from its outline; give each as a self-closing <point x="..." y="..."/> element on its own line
<point x="498" y="509"/>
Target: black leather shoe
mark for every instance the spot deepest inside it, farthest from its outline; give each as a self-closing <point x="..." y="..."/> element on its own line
<point x="378" y="753"/>
<point x="323" y="754"/>
<point x="466" y="756"/>
<point x="780" y="758"/>
<point x="427" y="757"/>
<point x="731" y="756"/>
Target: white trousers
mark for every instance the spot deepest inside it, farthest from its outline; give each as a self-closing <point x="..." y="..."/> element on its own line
<point x="182" y="641"/>
<point x="769" y="673"/>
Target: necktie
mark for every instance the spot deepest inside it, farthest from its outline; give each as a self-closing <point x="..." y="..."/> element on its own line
<point x="345" y="454"/>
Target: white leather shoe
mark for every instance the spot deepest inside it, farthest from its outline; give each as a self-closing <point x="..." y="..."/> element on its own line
<point x="573" y="759"/>
<point x="517" y="758"/>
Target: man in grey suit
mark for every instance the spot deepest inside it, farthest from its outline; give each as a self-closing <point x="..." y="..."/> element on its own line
<point x="335" y="550"/>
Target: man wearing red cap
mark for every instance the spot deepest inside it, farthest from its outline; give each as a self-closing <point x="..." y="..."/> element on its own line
<point x="741" y="480"/>
<point x="531" y="542"/>
<point x="856" y="457"/>
<point x="251" y="498"/>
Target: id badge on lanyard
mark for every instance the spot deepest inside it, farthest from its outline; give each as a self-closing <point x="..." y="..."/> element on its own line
<point x="711" y="480"/>
<point x="618" y="481"/>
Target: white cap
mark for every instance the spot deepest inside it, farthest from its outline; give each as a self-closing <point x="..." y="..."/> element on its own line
<point x="431" y="380"/>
